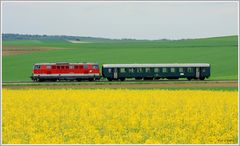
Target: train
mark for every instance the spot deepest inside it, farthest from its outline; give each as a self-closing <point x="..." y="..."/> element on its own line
<point x="118" y="72"/>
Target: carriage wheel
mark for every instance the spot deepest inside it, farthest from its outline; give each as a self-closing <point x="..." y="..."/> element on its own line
<point x="122" y="79"/>
<point x="79" y="80"/>
<point x="138" y="78"/>
<point x="109" y="79"/>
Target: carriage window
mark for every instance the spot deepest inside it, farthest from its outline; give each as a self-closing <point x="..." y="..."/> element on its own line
<point x="172" y="69"/>
<point x="37" y="67"/>
<point x="109" y="70"/>
<point x="203" y="70"/>
<point x="53" y="67"/>
<point x="122" y="70"/>
<point x="130" y="70"/>
<point x="85" y="66"/>
<point x="147" y="69"/>
<point x="71" y="67"/>
<point x="67" y="67"/>
<point x="189" y="69"/>
<point x="62" y="67"/>
<point x="95" y="66"/>
<point x="58" y="67"/>
<point x="164" y="70"/>
<point x="139" y="70"/>
<point x="76" y="67"/>
<point x="156" y="70"/>
<point x="180" y="69"/>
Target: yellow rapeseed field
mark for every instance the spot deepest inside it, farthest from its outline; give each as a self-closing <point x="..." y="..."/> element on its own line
<point x="119" y="116"/>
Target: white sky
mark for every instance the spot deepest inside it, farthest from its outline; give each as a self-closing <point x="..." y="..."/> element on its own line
<point x="139" y="20"/>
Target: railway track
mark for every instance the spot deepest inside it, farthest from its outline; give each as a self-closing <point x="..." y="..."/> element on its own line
<point x="119" y="82"/>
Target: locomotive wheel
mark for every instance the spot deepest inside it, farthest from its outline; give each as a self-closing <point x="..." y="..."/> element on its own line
<point x="96" y="79"/>
<point x="90" y="79"/>
<point x="79" y="80"/>
<point x="138" y="78"/>
<point x="189" y="79"/>
<point x="35" y="80"/>
<point x="202" y="78"/>
<point x="41" y="80"/>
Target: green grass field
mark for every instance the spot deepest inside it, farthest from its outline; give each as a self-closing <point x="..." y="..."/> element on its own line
<point x="220" y="52"/>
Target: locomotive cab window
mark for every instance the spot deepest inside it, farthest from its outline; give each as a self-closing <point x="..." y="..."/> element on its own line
<point x="109" y="70"/>
<point x="48" y="66"/>
<point x="71" y="67"/>
<point x="95" y="66"/>
<point x="37" y="67"/>
<point x="85" y="66"/>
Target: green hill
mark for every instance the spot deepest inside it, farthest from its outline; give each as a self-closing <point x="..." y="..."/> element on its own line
<point x="16" y="37"/>
<point x="220" y="52"/>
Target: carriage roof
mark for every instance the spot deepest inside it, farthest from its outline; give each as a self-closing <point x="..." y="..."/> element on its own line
<point x="157" y="65"/>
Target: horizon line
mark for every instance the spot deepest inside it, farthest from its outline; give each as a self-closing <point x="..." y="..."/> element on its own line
<point x="118" y="38"/>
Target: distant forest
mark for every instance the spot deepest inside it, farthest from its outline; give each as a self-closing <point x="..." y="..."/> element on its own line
<point x="8" y="37"/>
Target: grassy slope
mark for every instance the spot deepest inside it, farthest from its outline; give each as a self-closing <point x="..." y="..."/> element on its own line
<point x="220" y="52"/>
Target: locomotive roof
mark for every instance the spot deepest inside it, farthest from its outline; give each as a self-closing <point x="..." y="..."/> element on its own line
<point x="63" y="63"/>
<point x="159" y="65"/>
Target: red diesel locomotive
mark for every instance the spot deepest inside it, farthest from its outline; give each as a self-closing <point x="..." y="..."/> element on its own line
<point x="65" y="71"/>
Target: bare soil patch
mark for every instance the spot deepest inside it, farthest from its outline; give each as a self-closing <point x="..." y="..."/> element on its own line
<point x="15" y="50"/>
<point x="78" y="42"/>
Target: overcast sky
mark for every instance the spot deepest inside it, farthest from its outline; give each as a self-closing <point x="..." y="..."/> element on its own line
<point x="140" y="20"/>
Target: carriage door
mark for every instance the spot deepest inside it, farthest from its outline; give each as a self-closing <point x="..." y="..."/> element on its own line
<point x="197" y="72"/>
<point x="115" y="73"/>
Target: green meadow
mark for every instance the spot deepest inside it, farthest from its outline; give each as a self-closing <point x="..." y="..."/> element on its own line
<point x="220" y="52"/>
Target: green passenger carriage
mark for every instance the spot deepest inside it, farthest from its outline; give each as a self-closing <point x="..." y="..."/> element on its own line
<point x="156" y="71"/>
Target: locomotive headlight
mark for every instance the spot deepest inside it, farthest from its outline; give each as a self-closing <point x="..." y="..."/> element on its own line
<point x="90" y="71"/>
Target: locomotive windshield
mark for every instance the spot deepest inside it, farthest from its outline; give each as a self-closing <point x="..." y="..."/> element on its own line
<point x="95" y="67"/>
<point x="37" y="66"/>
